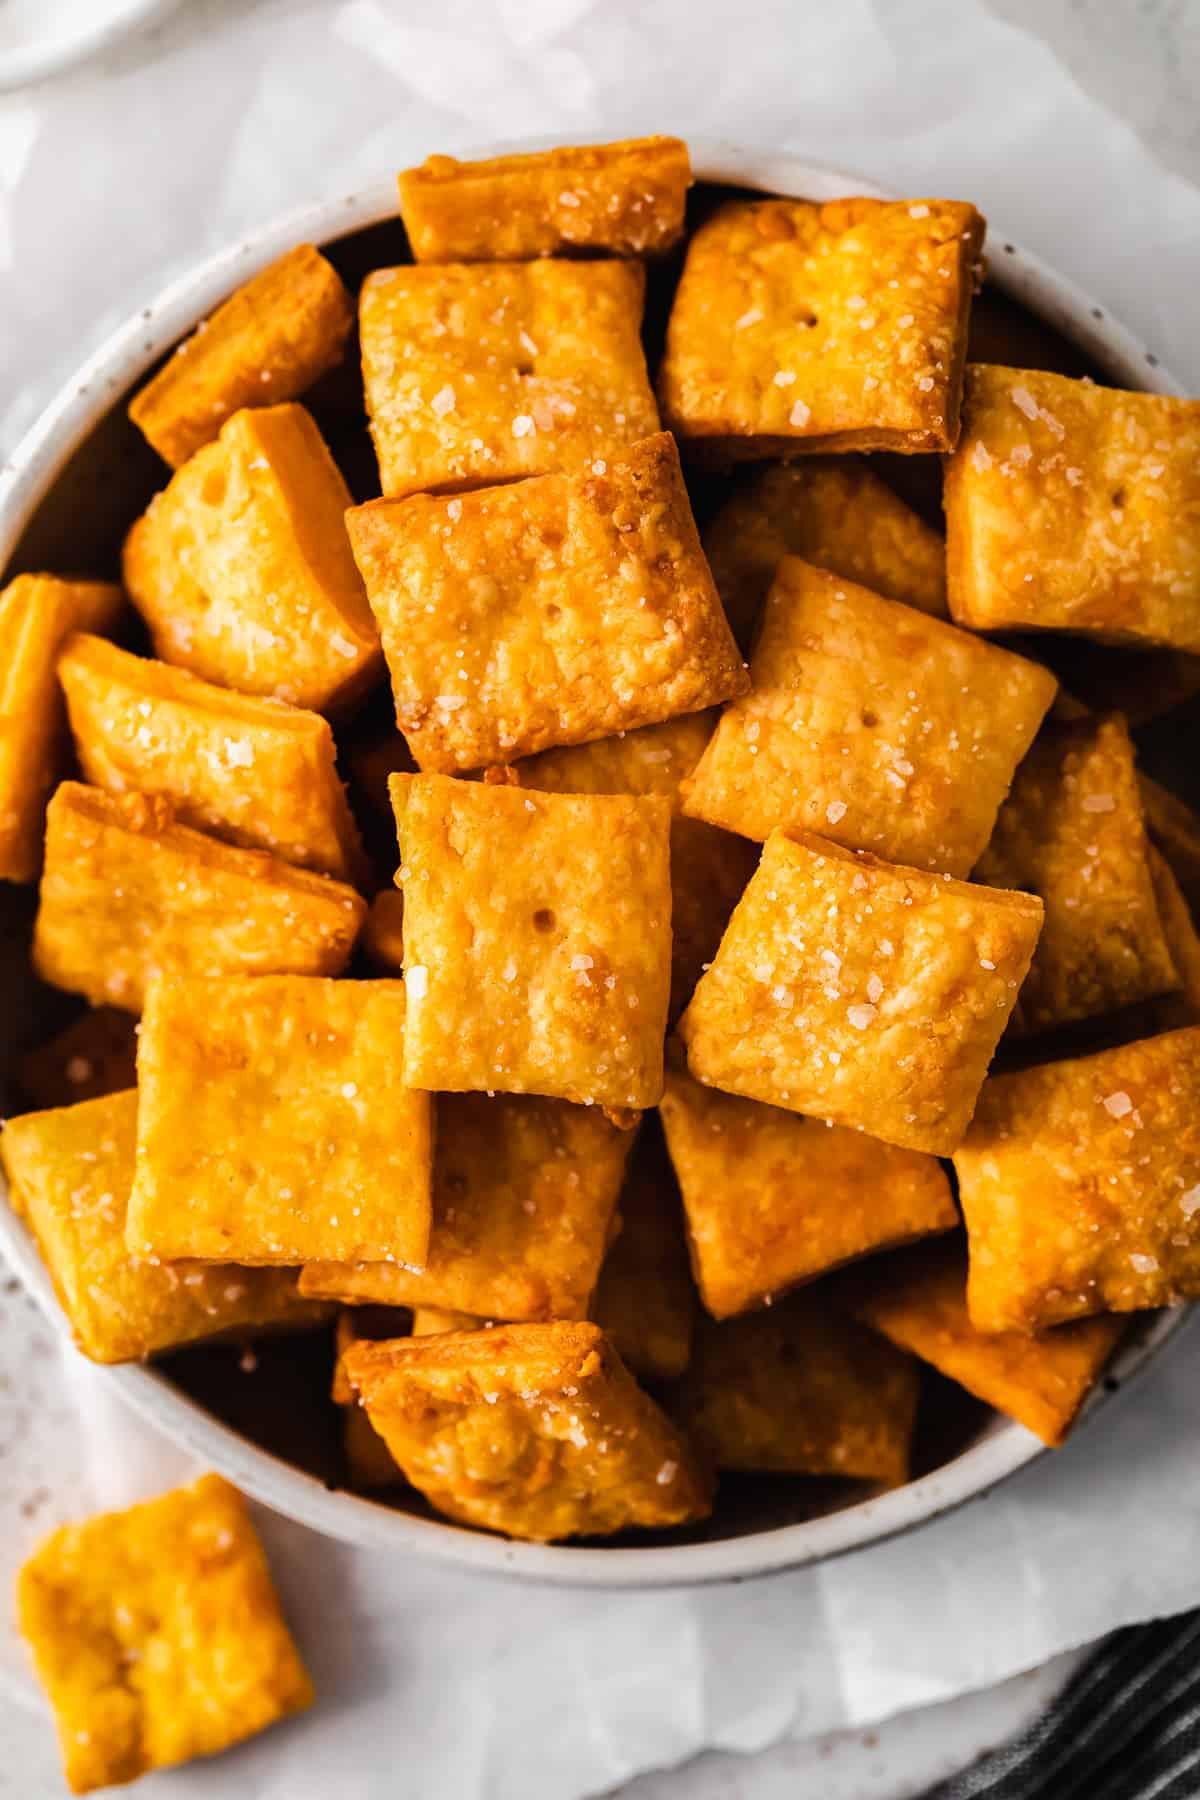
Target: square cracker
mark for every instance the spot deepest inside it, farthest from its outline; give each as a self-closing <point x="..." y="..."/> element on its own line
<point x="709" y="867"/>
<point x="242" y="569"/>
<point x="266" y="344"/>
<point x="918" y="1301"/>
<point x="843" y="326"/>
<point x="626" y="197"/>
<point x="255" y="772"/>
<point x="484" y="372"/>
<point x="546" y="612"/>
<point x="157" y="1635"/>
<point x="833" y="512"/>
<point x="537" y="940"/>
<point x="71" y="1171"/>
<point x="861" y="993"/>
<point x="644" y="1300"/>
<point x="800" y="1390"/>
<point x="127" y="894"/>
<point x="872" y="724"/>
<point x="96" y="1054"/>
<point x="274" y="1127"/>
<point x="1072" y="507"/>
<point x="524" y="1191"/>
<point x="37" y="612"/>
<point x="773" y="1199"/>
<point x="537" y="1431"/>
<point x="1071" y="831"/>
<point x="1080" y="1186"/>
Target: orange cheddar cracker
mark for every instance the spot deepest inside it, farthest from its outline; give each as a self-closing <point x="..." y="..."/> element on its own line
<point x="872" y="724"/>
<point x="127" y="894"/>
<point x="1071" y="831"/>
<point x="860" y="992"/>
<point x="242" y="569"/>
<point x="1072" y="507"/>
<point x="832" y="512"/>
<point x="626" y="197"/>
<point x="800" y="1390"/>
<point x="918" y="1300"/>
<point x="71" y="1171"/>
<point x="523" y="1196"/>
<point x="843" y="326"/>
<point x="537" y="947"/>
<point x="266" y="344"/>
<point x="773" y="1199"/>
<point x="1080" y="1186"/>
<point x="274" y="1127"/>
<point x="478" y="373"/>
<point x="157" y="1635"/>
<point x="545" y="612"/>
<point x="254" y="771"/>
<point x="537" y="1431"/>
<point x="37" y="613"/>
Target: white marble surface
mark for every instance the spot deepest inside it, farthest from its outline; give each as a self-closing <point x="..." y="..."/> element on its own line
<point x="187" y="162"/>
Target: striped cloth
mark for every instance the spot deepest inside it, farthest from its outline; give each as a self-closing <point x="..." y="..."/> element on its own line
<point x="1126" y="1727"/>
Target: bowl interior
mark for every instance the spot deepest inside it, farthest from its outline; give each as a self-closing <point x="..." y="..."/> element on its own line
<point x="272" y="1428"/>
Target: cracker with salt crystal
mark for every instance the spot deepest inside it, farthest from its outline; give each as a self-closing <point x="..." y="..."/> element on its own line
<point x="538" y="1431"/>
<point x="1072" y="507"/>
<point x="773" y="1199"/>
<point x="268" y="343"/>
<point x="274" y="1126"/>
<point x="800" y="327"/>
<point x="128" y="894"/>
<point x="1072" y="832"/>
<point x="483" y="372"/>
<point x="537" y="939"/>
<point x="626" y="197"/>
<point x="859" y="992"/>
<point x="71" y="1172"/>
<point x="254" y="771"/>
<point x="545" y="612"/>
<point x="872" y="724"/>
<point x="1080" y="1186"/>
<point x="242" y="569"/>
<point x="831" y="511"/>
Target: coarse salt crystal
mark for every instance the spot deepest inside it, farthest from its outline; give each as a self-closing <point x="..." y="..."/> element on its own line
<point x="442" y="402"/>
<point x="748" y="318"/>
<point x="416" y="981"/>
<point x="599" y="467"/>
<point x="860" y="1015"/>
<point x="1189" y="1203"/>
<point x="919" y="211"/>
<point x="925" y="382"/>
<point x="1145" y="1265"/>
<point x="349" y="1089"/>
<point x="985" y="964"/>
<point x="800" y="414"/>
<point x="1118" y="1104"/>
<point x="1024" y="402"/>
<point x="874" y="989"/>
<point x="522" y="425"/>
<point x="784" y="377"/>
<point x="454" y="510"/>
<point x="835" y="811"/>
<point x="582" y="962"/>
<point x="666" y="1473"/>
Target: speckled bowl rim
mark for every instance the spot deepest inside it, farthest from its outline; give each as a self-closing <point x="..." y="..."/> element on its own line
<point x="28" y="475"/>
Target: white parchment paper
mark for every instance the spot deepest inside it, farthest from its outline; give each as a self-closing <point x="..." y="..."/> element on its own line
<point x="443" y="1684"/>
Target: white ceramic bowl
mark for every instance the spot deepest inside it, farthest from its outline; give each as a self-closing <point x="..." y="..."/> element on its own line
<point x="41" y="471"/>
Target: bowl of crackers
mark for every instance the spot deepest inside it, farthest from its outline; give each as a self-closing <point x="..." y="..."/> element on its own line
<point x="598" y="884"/>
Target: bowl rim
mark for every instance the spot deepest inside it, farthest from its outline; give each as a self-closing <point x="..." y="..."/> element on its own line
<point x="27" y="476"/>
